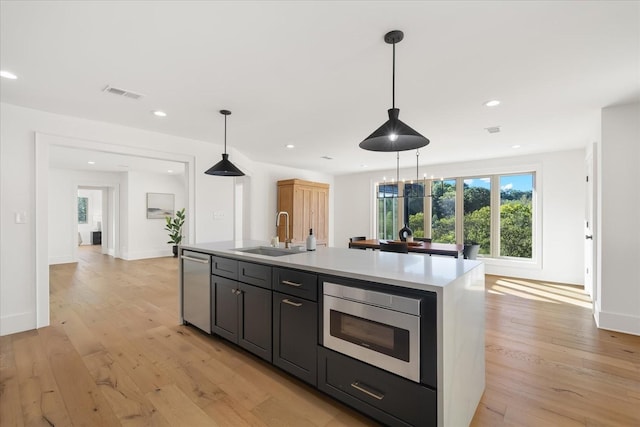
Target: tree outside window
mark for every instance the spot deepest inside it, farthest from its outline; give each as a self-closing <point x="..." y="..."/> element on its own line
<point x="477" y="213"/>
<point x="83" y="209"/>
<point x="443" y="211"/>
<point x="516" y="216"/>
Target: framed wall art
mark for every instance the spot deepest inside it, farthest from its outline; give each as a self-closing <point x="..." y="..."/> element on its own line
<point x="160" y="205"/>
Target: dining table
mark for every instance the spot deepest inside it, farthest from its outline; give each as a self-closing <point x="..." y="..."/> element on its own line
<point x="448" y="249"/>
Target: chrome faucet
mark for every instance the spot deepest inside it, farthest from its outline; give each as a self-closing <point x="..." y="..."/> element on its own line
<point x="286" y="231"/>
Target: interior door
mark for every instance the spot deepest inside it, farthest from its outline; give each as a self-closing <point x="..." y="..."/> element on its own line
<point x="589" y="253"/>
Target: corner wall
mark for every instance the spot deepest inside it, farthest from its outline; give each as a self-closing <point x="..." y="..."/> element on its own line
<point x="618" y="249"/>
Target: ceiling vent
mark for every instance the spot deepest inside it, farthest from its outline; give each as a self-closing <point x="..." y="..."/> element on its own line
<point x="122" y="92"/>
<point x="493" y="129"/>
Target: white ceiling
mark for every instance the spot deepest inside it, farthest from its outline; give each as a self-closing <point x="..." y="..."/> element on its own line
<point x="318" y="74"/>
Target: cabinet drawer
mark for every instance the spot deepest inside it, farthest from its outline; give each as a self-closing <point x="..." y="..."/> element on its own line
<point x="294" y="282"/>
<point x="384" y="396"/>
<point x="254" y="274"/>
<point x="224" y="267"/>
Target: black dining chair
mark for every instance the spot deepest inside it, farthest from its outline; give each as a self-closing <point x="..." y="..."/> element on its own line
<point x="356" y="239"/>
<point x="399" y="247"/>
<point x="470" y="250"/>
<point x="422" y="239"/>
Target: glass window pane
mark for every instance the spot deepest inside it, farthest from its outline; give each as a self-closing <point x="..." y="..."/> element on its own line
<point x="83" y="207"/>
<point x="477" y="212"/>
<point x="387" y="195"/>
<point x="414" y="208"/>
<point x="443" y="212"/>
<point x="516" y="217"/>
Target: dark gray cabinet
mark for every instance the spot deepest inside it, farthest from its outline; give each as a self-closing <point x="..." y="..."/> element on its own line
<point x="241" y="312"/>
<point x="387" y="398"/>
<point x="225" y="308"/>
<point x="295" y="323"/>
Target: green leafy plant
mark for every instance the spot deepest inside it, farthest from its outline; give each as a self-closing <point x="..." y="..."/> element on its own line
<point x="174" y="227"/>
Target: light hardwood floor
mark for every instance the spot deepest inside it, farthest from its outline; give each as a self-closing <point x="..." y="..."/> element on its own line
<point x="115" y="355"/>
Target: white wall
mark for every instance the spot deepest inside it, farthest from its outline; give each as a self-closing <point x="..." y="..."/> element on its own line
<point x="618" y="249"/>
<point x="264" y="198"/>
<point x="24" y="254"/>
<point x="560" y="192"/>
<point x="147" y="237"/>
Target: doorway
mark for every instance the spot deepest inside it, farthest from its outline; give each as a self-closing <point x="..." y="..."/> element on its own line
<point x="44" y="147"/>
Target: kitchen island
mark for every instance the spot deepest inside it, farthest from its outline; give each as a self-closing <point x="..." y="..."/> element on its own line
<point x="277" y="307"/>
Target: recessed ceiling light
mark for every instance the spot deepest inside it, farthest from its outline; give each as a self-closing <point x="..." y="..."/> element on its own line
<point x="91" y="162"/>
<point x="170" y="171"/>
<point x="493" y="129"/>
<point x="492" y="103"/>
<point x="515" y="146"/>
<point x="290" y="146"/>
<point x="363" y="166"/>
<point x="8" y="75"/>
<point x="160" y="113"/>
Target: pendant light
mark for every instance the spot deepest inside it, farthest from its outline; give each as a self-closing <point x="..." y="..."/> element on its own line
<point x="224" y="167"/>
<point x="394" y="135"/>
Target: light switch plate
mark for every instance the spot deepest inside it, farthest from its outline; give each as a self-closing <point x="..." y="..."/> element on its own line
<point x="21" y="217"/>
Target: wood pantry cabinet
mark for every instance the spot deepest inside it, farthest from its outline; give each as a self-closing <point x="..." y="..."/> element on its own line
<point x="307" y="203"/>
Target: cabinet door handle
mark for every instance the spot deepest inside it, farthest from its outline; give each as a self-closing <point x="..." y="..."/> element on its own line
<point x="287" y="282"/>
<point x="361" y="387"/>
<point x="295" y="304"/>
<point x="200" y="260"/>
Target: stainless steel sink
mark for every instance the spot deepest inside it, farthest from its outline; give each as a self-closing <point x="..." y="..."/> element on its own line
<point x="269" y="251"/>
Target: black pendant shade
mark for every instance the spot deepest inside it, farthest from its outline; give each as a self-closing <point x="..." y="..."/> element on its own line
<point x="224" y="167"/>
<point x="394" y="135"/>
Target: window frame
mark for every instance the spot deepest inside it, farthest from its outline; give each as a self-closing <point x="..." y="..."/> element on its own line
<point x="535" y="169"/>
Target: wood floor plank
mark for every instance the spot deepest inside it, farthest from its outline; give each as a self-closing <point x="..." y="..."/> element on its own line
<point x="84" y="402"/>
<point x="10" y="405"/>
<point x="178" y="409"/>
<point x="42" y="401"/>
<point x="129" y="404"/>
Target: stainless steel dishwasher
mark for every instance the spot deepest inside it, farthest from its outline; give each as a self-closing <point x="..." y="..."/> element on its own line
<point x="196" y="289"/>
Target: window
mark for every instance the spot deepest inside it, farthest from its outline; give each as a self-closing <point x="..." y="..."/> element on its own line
<point x="443" y="211"/>
<point x="495" y="211"/>
<point x="516" y="215"/>
<point x="477" y="212"/>
<point x="387" y="199"/>
<point x="414" y="208"/>
<point x="83" y="208"/>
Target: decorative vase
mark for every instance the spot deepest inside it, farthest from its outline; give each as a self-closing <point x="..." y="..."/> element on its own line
<point x="405" y="232"/>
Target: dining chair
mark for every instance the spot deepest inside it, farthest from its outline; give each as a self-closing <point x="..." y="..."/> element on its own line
<point x="471" y="250"/>
<point x="355" y="239"/>
<point x="399" y="247"/>
<point x="422" y="239"/>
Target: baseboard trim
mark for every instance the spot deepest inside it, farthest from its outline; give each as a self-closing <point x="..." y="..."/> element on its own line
<point x="155" y="253"/>
<point x="65" y="259"/>
<point x="15" y="323"/>
<point x="617" y="322"/>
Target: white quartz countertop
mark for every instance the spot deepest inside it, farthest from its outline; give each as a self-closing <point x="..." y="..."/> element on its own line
<point x="414" y="271"/>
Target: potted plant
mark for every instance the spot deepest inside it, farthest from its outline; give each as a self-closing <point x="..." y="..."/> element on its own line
<point x="174" y="227"/>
